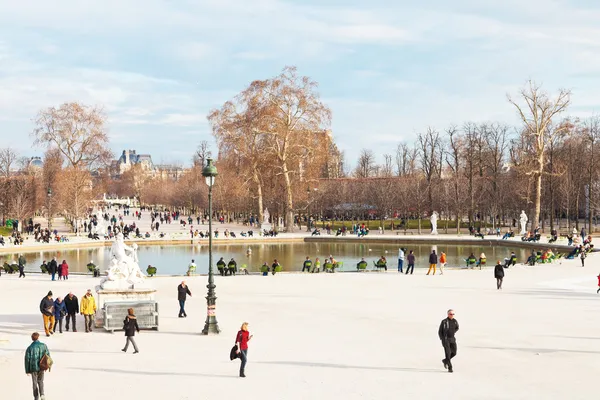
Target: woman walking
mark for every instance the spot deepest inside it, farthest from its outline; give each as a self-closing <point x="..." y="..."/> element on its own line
<point x="65" y="270"/>
<point x="130" y="326"/>
<point x="241" y="341"/>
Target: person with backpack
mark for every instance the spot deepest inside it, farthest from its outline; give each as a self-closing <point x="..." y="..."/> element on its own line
<point x="130" y="326"/>
<point x="582" y="256"/>
<point x="33" y="358"/>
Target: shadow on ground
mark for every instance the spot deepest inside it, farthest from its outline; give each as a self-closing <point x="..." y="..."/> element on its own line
<point x="344" y="366"/>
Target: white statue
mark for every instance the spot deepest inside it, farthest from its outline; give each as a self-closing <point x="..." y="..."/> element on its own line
<point x="266" y="216"/>
<point x="434" y="218"/>
<point x="124" y="271"/>
<point x="523" y="219"/>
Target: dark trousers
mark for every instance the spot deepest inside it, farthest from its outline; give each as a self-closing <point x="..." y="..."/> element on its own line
<point x="88" y="322"/>
<point x="400" y="265"/>
<point x="243" y="359"/>
<point x="182" y="308"/>
<point x="411" y="268"/>
<point x="21" y="271"/>
<point x="71" y="317"/>
<point x="53" y="276"/>
<point x="449" y="351"/>
<point x="37" y="379"/>
<point x="305" y="268"/>
<point x="499" y="283"/>
<point x="58" y="321"/>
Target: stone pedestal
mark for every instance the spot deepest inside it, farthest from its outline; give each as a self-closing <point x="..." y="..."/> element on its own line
<point x="119" y="296"/>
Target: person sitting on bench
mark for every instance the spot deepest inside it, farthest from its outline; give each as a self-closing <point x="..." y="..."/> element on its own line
<point x="531" y="259"/>
<point x="361" y="265"/>
<point x="471" y="261"/>
<point x="316" y="232"/>
<point x="221" y="266"/>
<point x="513" y="259"/>
<point x="381" y="263"/>
<point x="232" y="267"/>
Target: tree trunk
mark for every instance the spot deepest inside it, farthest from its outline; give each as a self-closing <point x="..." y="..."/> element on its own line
<point x="538" y="201"/>
<point x="289" y="203"/>
<point x="259" y="195"/>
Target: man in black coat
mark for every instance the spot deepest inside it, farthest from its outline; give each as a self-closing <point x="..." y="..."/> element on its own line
<point x="446" y="332"/>
<point x="72" y="305"/>
<point x="47" y="310"/>
<point x="182" y="291"/>
<point x="53" y="267"/>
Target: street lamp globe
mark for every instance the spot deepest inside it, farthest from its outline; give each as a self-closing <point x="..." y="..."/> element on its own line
<point x="209" y="172"/>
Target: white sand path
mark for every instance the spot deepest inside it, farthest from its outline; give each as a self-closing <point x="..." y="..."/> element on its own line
<point x="326" y="336"/>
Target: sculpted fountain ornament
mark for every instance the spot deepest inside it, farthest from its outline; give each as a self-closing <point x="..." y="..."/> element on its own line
<point x="434" y="218"/>
<point x="523" y="220"/>
<point x="124" y="285"/>
<point x="123" y="271"/>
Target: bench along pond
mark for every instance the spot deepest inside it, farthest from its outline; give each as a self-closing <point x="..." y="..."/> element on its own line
<point x="174" y="259"/>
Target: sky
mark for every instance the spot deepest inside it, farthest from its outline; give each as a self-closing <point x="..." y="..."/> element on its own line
<point x="387" y="69"/>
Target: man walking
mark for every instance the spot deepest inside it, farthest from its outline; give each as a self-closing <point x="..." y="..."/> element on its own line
<point x="47" y="310"/>
<point x="400" y="259"/>
<point x="182" y="292"/>
<point x="446" y="332"/>
<point x="88" y="309"/>
<point x="33" y="355"/>
<point x="72" y="304"/>
<point x="411" y="262"/>
<point x="53" y="266"/>
<point x="433" y="259"/>
<point x="307" y="265"/>
<point x="22" y="263"/>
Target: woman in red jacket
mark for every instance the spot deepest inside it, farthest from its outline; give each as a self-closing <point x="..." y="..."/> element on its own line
<point x="241" y="340"/>
<point x="64" y="269"/>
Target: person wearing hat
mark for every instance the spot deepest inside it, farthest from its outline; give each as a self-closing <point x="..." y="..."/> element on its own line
<point x="47" y="310"/>
<point x="88" y="309"/>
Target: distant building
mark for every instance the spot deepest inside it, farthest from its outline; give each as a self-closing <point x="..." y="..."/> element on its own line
<point x="36" y="162"/>
<point x="129" y="158"/>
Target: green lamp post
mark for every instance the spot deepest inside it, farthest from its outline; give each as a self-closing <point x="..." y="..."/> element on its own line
<point x="211" y="326"/>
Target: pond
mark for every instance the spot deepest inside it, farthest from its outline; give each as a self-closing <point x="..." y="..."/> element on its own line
<point x="173" y="259"/>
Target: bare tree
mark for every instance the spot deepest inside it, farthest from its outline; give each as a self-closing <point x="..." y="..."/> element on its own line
<point x="77" y="130"/>
<point x="8" y="158"/>
<point x="365" y="166"/>
<point x="387" y="169"/>
<point x="537" y="115"/>
<point x="202" y="153"/>
<point x="431" y="156"/>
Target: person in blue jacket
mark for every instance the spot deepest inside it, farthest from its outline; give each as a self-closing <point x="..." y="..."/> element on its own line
<point x="60" y="310"/>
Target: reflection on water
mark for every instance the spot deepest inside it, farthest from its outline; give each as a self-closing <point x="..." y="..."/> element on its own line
<point x="173" y="259"/>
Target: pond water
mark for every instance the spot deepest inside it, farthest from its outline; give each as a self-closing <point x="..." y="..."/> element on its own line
<point x="173" y="259"/>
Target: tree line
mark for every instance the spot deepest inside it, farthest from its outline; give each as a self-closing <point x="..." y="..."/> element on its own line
<point x="275" y="150"/>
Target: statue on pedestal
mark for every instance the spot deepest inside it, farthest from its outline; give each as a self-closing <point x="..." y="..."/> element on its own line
<point x="266" y="216"/>
<point x="523" y="220"/>
<point x="124" y="271"/>
<point x="434" y="218"/>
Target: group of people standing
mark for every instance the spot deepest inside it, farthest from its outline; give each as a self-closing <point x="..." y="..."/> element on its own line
<point x="55" y="269"/>
<point x="54" y="311"/>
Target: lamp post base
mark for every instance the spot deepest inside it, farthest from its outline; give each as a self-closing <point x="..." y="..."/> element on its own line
<point x="211" y="326"/>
